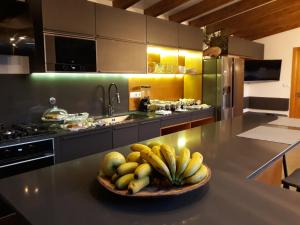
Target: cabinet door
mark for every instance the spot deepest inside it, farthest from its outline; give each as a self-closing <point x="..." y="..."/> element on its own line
<point x="149" y="129"/>
<point x="121" y="56"/>
<point x="75" y="16"/>
<point x="175" y="119"/>
<point x="120" y="24"/>
<point x="125" y="134"/>
<point x="82" y="144"/>
<point x="162" y="32"/>
<point x="190" y="37"/>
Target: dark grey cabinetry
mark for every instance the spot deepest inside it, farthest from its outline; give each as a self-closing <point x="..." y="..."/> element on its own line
<point x="175" y="119"/>
<point x="202" y="114"/>
<point x="162" y="32"/>
<point x="75" y="16"/>
<point x="245" y="48"/>
<point x="83" y="143"/>
<point x="120" y="24"/>
<point x="120" y="56"/>
<point x="125" y="134"/>
<point x="190" y="37"/>
<point x="149" y="129"/>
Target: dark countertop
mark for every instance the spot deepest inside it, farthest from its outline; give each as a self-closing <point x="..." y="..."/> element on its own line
<point x="140" y="117"/>
<point x="67" y="193"/>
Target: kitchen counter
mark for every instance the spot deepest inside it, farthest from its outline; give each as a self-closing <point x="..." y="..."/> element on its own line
<point x="68" y="193"/>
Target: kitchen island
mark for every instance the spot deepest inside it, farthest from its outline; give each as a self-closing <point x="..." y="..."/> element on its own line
<point x="68" y="193"/>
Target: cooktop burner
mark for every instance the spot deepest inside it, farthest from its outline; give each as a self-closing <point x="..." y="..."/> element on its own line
<point x="17" y="131"/>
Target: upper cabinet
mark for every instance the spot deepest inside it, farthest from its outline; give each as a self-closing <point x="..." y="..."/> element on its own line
<point x="247" y="49"/>
<point x="162" y="32"/>
<point x="75" y="16"/>
<point x="114" y="56"/>
<point x="190" y="37"/>
<point x="120" y="24"/>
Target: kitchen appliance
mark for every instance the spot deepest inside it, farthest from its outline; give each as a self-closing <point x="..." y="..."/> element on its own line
<point x="145" y="98"/>
<point x="223" y="86"/>
<point x="24" y="156"/>
<point x="67" y="53"/>
<point x="260" y="70"/>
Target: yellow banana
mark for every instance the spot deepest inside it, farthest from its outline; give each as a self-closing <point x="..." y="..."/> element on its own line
<point x="156" y="150"/>
<point x="198" y="176"/>
<point x="123" y="182"/>
<point x="134" y="157"/>
<point x="156" y="163"/>
<point x="137" y="185"/>
<point x="114" y="177"/>
<point x="142" y="171"/>
<point x="183" y="160"/>
<point x="170" y="157"/>
<point x="138" y="147"/>
<point x="126" y="168"/>
<point x="152" y="144"/>
<point x="194" y="164"/>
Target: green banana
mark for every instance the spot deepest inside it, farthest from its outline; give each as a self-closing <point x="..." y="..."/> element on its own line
<point x="137" y="185"/>
<point x="152" y="144"/>
<point x="114" y="177"/>
<point x="183" y="160"/>
<point x="138" y="147"/>
<point x="156" y="163"/>
<point x="142" y="171"/>
<point x="126" y="168"/>
<point x="170" y="157"/>
<point x="194" y="164"/>
<point x="198" y="176"/>
<point x="123" y="182"/>
<point x="134" y="157"/>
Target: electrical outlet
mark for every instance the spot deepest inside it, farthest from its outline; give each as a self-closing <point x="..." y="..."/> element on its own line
<point x="135" y="94"/>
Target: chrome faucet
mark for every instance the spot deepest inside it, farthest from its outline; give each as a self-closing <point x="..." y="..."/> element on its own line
<point x="110" y="107"/>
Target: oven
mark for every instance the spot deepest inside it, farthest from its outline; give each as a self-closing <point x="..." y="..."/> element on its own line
<point x="25" y="156"/>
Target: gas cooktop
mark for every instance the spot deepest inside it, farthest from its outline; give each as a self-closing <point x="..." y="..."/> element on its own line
<point x="18" y="131"/>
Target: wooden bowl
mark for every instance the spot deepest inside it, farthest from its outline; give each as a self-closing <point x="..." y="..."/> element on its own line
<point x="153" y="191"/>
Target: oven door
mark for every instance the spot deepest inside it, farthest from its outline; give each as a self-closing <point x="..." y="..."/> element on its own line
<point x="64" y="54"/>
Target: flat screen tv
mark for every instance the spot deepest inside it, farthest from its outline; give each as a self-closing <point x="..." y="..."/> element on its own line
<point x="262" y="70"/>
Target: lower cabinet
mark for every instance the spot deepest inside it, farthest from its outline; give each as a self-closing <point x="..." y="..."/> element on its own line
<point x="81" y="144"/>
<point x="125" y="134"/>
<point x="149" y="129"/>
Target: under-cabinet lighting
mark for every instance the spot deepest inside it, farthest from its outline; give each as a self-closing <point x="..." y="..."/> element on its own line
<point x="162" y="51"/>
<point x="54" y="76"/>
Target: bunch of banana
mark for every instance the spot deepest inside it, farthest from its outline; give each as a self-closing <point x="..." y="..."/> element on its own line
<point x="131" y="174"/>
<point x="179" y="169"/>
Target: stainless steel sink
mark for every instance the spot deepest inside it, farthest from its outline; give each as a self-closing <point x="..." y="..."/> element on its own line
<point x="119" y="119"/>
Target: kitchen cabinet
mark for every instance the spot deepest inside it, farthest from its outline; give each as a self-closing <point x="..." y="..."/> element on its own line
<point x="83" y="143"/>
<point x="120" y="56"/>
<point x="75" y="16"/>
<point x="125" y="134"/>
<point x="149" y="129"/>
<point x="190" y="37"/>
<point x="244" y="48"/>
<point x="162" y="32"/>
<point x="175" y="119"/>
<point x="120" y="24"/>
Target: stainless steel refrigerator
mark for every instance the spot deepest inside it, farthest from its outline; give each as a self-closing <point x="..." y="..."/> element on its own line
<point x="223" y="86"/>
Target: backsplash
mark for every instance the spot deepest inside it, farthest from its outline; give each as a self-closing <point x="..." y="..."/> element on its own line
<point x="24" y="98"/>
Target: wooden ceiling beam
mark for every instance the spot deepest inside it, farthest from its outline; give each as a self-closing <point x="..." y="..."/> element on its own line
<point x="124" y="4"/>
<point x="197" y="9"/>
<point x="227" y="12"/>
<point x="163" y="6"/>
<point x="250" y="18"/>
<point x="276" y="23"/>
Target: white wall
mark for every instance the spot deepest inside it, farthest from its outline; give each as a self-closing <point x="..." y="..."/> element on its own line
<point x="278" y="46"/>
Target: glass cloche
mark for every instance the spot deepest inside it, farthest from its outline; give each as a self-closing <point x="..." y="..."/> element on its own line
<point x="54" y="114"/>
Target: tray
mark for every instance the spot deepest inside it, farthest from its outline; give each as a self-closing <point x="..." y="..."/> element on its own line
<point x="153" y="191"/>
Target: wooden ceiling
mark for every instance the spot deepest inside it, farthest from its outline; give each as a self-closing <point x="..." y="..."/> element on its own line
<point x="249" y="19"/>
